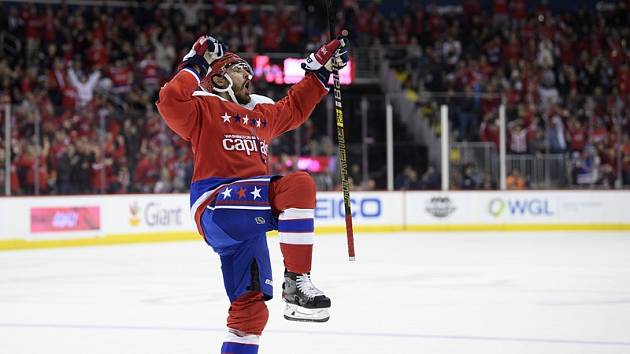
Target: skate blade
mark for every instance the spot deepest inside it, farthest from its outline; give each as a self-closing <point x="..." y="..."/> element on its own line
<point x="294" y="312"/>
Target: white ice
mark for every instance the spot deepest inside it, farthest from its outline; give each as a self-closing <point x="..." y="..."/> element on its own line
<point x="430" y="293"/>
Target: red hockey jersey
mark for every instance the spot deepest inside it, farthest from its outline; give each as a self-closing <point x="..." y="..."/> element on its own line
<point x="230" y="141"/>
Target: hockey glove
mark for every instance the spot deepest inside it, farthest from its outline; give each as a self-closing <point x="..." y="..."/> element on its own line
<point x="333" y="54"/>
<point x="205" y="50"/>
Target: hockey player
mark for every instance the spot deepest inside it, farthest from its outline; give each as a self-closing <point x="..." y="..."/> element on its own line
<point x="233" y="198"/>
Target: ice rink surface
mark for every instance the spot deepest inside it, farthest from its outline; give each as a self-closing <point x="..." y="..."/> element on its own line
<point x="428" y="293"/>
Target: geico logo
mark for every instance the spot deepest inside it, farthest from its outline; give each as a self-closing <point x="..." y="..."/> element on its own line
<point x="154" y="215"/>
<point x="238" y="144"/>
<point x="326" y="208"/>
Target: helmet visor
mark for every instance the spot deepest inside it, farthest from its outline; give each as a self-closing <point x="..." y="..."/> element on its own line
<point x="241" y="65"/>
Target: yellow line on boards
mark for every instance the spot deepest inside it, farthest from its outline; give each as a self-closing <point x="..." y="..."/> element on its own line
<point x="104" y="240"/>
<point x="17" y="244"/>
<point x="519" y="227"/>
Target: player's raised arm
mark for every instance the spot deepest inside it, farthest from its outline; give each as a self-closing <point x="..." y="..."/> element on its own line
<point x="300" y="101"/>
<point x="176" y="103"/>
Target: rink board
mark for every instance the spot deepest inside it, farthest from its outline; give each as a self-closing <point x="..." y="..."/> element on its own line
<point x="30" y="222"/>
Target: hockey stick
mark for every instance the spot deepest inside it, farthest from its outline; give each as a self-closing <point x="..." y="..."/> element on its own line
<point x="330" y="11"/>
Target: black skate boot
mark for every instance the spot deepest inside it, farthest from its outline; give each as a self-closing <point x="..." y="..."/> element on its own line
<point x="304" y="301"/>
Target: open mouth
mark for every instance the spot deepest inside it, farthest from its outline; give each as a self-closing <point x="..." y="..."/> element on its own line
<point x="246" y="86"/>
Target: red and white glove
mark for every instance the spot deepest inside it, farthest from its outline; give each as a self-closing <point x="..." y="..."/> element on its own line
<point x="205" y="50"/>
<point x="332" y="55"/>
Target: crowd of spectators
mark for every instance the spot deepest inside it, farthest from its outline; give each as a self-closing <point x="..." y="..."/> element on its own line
<point x="564" y="78"/>
<point x="84" y="79"/>
<point x="82" y="82"/>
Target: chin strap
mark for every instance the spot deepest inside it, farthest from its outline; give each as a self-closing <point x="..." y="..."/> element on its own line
<point x="228" y="89"/>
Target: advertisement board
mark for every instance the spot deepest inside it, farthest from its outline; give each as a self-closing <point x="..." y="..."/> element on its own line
<point x="289" y="70"/>
<point x="369" y="209"/>
<point x="65" y="219"/>
<point x="38" y="218"/>
<point x="534" y="208"/>
<point x="150" y="217"/>
<point x="148" y="213"/>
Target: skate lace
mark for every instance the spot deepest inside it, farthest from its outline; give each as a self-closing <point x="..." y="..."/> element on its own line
<point x="306" y="286"/>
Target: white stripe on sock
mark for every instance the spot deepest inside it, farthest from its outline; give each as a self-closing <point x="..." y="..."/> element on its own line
<point x="296" y="213"/>
<point x="248" y="339"/>
<point x="297" y="238"/>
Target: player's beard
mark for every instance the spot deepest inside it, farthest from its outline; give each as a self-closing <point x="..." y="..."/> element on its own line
<point x="243" y="93"/>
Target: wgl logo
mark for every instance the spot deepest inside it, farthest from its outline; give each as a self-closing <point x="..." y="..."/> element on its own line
<point x="519" y="207"/>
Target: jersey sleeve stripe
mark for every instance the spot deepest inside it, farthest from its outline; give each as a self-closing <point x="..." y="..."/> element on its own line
<point x="193" y="74"/>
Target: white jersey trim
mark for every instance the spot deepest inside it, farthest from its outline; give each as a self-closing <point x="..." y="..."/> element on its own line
<point x="261" y="179"/>
<point x="207" y="194"/>
<point x="200" y="200"/>
<point x="203" y="92"/>
<point x="239" y="207"/>
<point x="256" y="99"/>
<point x="193" y="74"/>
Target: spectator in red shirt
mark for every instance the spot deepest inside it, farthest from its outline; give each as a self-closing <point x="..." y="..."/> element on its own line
<point x="27" y="169"/>
<point x="577" y="135"/>
<point x="600" y="133"/>
<point x="500" y="11"/>
<point x="294" y="33"/>
<point x="490" y="131"/>
<point x="512" y="49"/>
<point x="33" y="23"/>
<point x="518" y="11"/>
<point x="471" y="8"/>
<point x="147" y="173"/>
<point x="151" y="78"/>
<point x="624" y="80"/>
<point x="48" y="25"/>
<point x="121" y="77"/>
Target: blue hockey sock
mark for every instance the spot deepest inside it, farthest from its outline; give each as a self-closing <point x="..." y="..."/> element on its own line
<point x="239" y="348"/>
<point x="240" y="344"/>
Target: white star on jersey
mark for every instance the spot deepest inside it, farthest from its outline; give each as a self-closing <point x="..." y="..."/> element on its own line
<point x="245" y="120"/>
<point x="226" y="118"/>
<point x="227" y="193"/>
<point x="256" y="192"/>
<point x="257" y="123"/>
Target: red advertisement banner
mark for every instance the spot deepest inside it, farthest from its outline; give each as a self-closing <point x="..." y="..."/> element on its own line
<point x="52" y="219"/>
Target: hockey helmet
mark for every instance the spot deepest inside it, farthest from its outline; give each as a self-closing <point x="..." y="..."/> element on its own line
<point x="219" y="67"/>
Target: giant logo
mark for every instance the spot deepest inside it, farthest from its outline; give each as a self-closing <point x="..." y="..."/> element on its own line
<point x="333" y="208"/>
<point x="519" y="207"/>
<point x="153" y="214"/>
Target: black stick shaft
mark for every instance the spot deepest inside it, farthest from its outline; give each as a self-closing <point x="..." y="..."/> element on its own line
<point x="341" y="137"/>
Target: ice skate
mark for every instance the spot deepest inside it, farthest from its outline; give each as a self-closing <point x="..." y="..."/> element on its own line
<point x="304" y="302"/>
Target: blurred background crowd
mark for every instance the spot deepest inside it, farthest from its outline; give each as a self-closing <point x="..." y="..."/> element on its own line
<point x="82" y="81"/>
